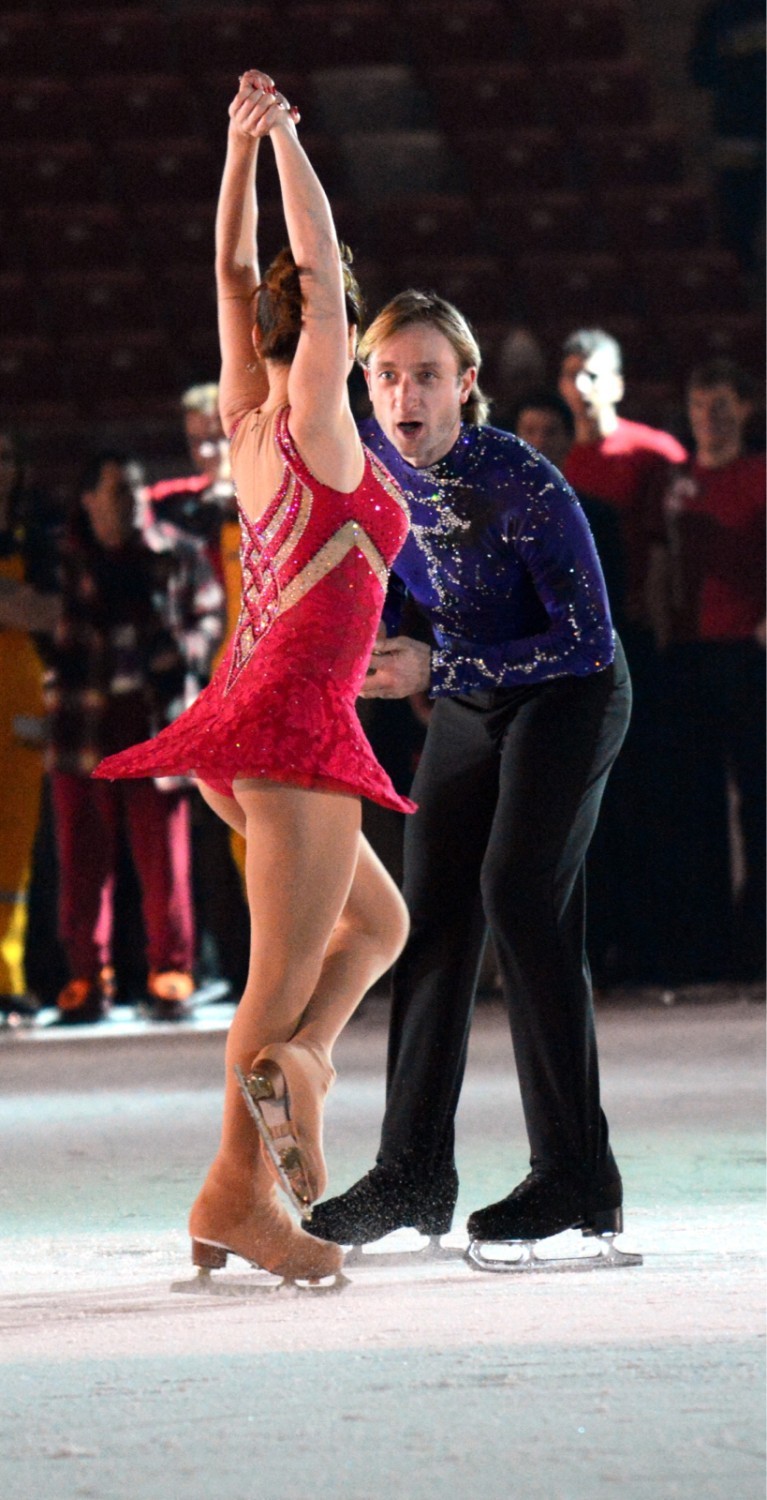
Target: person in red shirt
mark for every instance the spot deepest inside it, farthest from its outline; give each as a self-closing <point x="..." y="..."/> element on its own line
<point x="625" y="466"/>
<point x="715" y="516"/>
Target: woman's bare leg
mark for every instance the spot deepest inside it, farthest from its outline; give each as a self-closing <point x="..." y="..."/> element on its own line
<point x="368" y="936"/>
<point x="302" y="851"/>
<point x="304" y="983"/>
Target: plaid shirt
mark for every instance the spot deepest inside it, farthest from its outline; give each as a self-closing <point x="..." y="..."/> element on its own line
<point x="138" y="631"/>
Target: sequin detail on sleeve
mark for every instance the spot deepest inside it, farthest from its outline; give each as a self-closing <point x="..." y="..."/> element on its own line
<point x="501" y="560"/>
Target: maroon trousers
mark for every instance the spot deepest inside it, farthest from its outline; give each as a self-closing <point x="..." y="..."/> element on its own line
<point x="88" y="815"/>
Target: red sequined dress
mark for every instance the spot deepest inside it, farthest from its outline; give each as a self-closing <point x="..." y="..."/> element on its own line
<point x="281" y="705"/>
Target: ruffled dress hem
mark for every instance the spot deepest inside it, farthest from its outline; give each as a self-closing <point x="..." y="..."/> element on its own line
<point x="109" y="770"/>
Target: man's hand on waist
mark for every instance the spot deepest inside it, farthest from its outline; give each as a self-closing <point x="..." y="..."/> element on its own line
<point x="398" y="667"/>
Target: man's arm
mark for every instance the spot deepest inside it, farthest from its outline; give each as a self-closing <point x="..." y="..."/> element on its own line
<point x="553" y="540"/>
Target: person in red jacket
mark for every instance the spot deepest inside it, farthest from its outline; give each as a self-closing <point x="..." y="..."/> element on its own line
<point x="626" y="467"/>
<point x="715" y="515"/>
<point x="624" y="464"/>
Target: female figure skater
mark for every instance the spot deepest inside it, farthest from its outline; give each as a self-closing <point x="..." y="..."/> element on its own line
<point x="274" y="741"/>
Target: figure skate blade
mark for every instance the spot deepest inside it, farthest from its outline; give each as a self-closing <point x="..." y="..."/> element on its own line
<point x="206" y="1284"/>
<point x="301" y="1207"/>
<point x="523" y="1258"/>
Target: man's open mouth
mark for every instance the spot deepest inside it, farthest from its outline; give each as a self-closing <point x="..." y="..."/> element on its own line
<point x="409" y="428"/>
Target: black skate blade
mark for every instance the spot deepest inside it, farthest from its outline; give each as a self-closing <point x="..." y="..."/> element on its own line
<point x="256" y="1114"/>
<point x="206" y="1284"/>
<point x="523" y="1258"/>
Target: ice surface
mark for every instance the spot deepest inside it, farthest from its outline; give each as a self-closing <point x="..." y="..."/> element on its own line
<point x="419" y="1380"/>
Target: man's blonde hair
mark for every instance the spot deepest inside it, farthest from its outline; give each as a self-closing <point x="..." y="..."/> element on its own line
<point x="202" y="398"/>
<point x="412" y="307"/>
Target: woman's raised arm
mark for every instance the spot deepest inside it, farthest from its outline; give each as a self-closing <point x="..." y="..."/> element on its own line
<point x="243" y="382"/>
<point x="321" y="419"/>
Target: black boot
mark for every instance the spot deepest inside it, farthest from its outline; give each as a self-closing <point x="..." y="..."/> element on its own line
<point x="548" y="1201"/>
<point x="383" y="1200"/>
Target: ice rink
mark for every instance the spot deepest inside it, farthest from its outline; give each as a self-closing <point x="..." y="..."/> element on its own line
<point x="418" y="1380"/>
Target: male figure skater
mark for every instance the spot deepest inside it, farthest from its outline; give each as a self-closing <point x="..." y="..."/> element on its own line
<point x="532" y="698"/>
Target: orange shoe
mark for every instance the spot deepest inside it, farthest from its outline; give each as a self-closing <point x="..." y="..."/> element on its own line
<point x="82" y="1002"/>
<point x="232" y="1216"/>
<point x="170" y="991"/>
<point x="108" y="983"/>
<point x="286" y="1086"/>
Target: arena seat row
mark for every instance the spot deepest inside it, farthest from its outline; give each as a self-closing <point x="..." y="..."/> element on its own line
<point x="192" y="40"/>
<point x="541" y="188"/>
<point x="110" y="265"/>
<point x="138" y="369"/>
<point x="148" y="104"/>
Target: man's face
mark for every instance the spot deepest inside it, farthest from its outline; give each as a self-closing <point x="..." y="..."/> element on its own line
<point x="544" y="429"/>
<point x="717" y="417"/>
<point x="590" y="383"/>
<point x="206" y="442"/>
<point x="418" y="392"/>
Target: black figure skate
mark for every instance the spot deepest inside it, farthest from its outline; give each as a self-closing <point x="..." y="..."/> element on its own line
<point x="386" y="1199"/>
<point x="547" y="1203"/>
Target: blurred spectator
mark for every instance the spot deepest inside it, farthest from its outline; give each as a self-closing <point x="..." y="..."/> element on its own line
<point x="520" y="366"/>
<point x="727" y="57"/>
<point x="200" y="504"/>
<point x="542" y="419"/>
<point x="203" y="505"/>
<point x="715" y="511"/>
<point x="141" y="615"/>
<point x="625" y="465"/>
<point x="27" y="606"/>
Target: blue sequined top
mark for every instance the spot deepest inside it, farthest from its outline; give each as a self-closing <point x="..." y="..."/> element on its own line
<point x="501" y="561"/>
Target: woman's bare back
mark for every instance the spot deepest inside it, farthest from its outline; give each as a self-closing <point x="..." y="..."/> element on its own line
<point x="256" y="460"/>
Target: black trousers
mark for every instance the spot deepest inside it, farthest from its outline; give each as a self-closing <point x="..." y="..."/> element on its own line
<point x="509" y="787"/>
<point x="626" y="881"/>
<point x="714" y="731"/>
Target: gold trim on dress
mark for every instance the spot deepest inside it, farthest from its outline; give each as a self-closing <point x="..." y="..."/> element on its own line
<point x="300" y="523"/>
<point x="264" y="557"/>
<point x="330" y="555"/>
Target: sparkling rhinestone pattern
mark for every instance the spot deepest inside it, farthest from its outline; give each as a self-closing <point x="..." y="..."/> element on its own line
<point x="263" y="551"/>
<point x="268" y="546"/>
<point x="281" y="707"/>
<point x="501" y="561"/>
